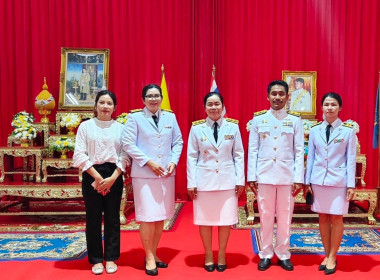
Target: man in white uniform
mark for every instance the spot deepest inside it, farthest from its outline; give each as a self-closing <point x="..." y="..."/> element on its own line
<point x="301" y="98"/>
<point x="276" y="172"/>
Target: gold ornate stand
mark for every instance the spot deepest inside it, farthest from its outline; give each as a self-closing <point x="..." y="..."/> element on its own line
<point x="369" y="195"/>
<point x="59" y="164"/>
<point x="34" y="168"/>
<point x="53" y="191"/>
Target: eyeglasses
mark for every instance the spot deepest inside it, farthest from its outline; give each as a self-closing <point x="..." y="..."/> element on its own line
<point x="152" y="96"/>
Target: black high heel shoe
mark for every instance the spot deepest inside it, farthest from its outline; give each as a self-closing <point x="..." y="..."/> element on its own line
<point x="221" y="267"/>
<point x="321" y="267"/>
<point x="151" y="272"/>
<point x="329" y="271"/>
<point x="162" y="264"/>
<point x="209" y="267"/>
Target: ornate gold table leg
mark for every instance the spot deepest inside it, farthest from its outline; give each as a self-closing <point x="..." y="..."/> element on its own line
<point x="38" y="168"/>
<point x="371" y="197"/>
<point x="2" y="167"/>
<point x="44" y="172"/>
<point x="251" y="197"/>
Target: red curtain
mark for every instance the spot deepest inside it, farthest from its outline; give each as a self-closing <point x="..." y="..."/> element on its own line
<point x="249" y="41"/>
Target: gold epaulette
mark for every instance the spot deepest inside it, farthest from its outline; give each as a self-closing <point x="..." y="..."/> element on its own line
<point x="232" y="120"/>
<point x="350" y="125"/>
<point x="199" y="122"/>
<point x="318" y="123"/>
<point x="260" y="113"/>
<point x="135" y="111"/>
<point x="294" y="113"/>
<point x="167" y="110"/>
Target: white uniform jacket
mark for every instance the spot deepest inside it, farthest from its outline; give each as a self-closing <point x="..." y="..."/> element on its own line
<point x="215" y="166"/>
<point x="332" y="163"/>
<point x="276" y="148"/>
<point x="144" y="141"/>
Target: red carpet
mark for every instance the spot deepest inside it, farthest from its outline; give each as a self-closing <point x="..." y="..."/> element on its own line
<point x="182" y="248"/>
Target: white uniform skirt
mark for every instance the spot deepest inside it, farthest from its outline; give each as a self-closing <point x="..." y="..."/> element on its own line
<point x="330" y="200"/>
<point x="154" y="198"/>
<point x="216" y="208"/>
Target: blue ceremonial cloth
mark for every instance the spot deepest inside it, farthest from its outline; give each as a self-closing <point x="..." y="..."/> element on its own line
<point x="42" y="246"/>
<point x="375" y="141"/>
<point x="308" y="241"/>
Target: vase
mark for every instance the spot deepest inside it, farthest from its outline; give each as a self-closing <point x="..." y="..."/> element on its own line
<point x="64" y="154"/>
<point x="25" y="142"/>
<point x="71" y="130"/>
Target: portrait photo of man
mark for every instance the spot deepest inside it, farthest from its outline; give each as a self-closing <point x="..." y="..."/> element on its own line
<point x="300" y="100"/>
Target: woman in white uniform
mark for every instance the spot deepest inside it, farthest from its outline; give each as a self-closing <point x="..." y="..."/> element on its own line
<point x="98" y="152"/>
<point x="215" y="176"/>
<point x="154" y="141"/>
<point x="330" y="175"/>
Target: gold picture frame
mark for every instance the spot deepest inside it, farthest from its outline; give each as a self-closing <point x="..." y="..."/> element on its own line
<point x="83" y="73"/>
<point x="302" y="92"/>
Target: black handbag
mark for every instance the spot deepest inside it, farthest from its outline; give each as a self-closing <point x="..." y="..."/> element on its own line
<point x="309" y="198"/>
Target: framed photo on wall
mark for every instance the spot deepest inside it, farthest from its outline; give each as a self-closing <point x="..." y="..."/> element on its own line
<point x="83" y="73"/>
<point x="302" y="91"/>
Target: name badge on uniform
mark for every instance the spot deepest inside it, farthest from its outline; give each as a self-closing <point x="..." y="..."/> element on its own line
<point x="338" y="140"/>
<point x="264" y="121"/>
<point x="167" y="126"/>
<point x="203" y="139"/>
<point x="287" y="124"/>
<point x="229" y="137"/>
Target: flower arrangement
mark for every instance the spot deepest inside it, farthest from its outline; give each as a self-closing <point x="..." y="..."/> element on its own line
<point x="122" y="118"/>
<point x="62" y="144"/>
<point x="22" y="118"/>
<point x="307" y="124"/>
<point x="27" y="131"/>
<point x="355" y="124"/>
<point x="70" y="120"/>
<point x="24" y="129"/>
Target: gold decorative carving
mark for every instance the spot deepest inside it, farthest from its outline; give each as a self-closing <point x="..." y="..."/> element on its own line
<point x="55" y="191"/>
<point x="59" y="163"/>
<point x="34" y="152"/>
<point x="362" y="159"/>
<point x="369" y="195"/>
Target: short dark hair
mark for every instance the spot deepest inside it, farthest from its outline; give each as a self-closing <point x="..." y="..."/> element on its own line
<point x="148" y="87"/>
<point x="105" y="92"/>
<point x="279" y="83"/>
<point x="333" y="95"/>
<point x="301" y="80"/>
<point x="100" y="94"/>
<point x="208" y="95"/>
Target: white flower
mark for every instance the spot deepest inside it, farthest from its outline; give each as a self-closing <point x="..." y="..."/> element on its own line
<point x="355" y="124"/>
<point x="63" y="143"/>
<point x="249" y="124"/>
<point x="22" y="118"/>
<point x="307" y="125"/>
<point x="122" y="118"/>
<point x="70" y="119"/>
<point x="26" y="131"/>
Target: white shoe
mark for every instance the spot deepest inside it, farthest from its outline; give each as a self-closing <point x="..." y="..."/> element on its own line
<point x="111" y="269"/>
<point x="97" y="270"/>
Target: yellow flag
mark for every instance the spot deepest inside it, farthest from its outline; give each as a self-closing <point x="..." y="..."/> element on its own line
<point x="165" y="101"/>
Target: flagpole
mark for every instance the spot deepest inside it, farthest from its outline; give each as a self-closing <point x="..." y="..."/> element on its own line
<point x="378" y="160"/>
<point x="213" y="70"/>
<point x="162" y="70"/>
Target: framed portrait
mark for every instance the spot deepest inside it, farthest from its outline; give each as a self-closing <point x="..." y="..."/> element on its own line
<point x="83" y="73"/>
<point x="302" y="92"/>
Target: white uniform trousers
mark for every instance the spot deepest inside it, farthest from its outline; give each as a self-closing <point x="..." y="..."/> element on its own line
<point x="275" y="200"/>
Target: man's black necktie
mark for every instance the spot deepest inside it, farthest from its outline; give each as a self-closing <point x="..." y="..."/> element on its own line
<point x="216" y="131"/>
<point x="328" y="132"/>
<point x="155" y="119"/>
